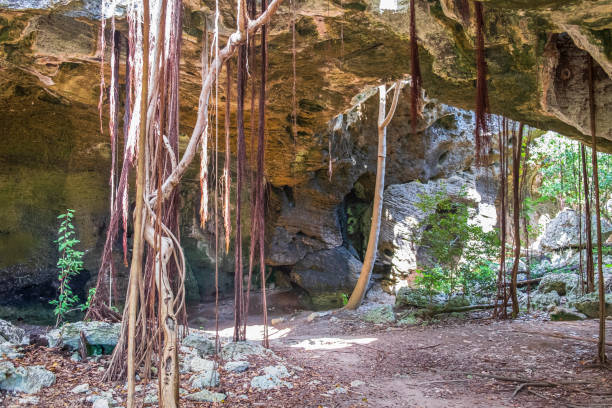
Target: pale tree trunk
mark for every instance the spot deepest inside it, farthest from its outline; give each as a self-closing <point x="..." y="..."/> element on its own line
<point x="168" y="362"/>
<point x="136" y="330"/>
<point x="138" y="246"/>
<point x="370" y="256"/>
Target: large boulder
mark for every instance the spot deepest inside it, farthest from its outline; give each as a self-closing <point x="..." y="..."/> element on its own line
<point x="589" y="304"/>
<point x="101" y="337"/>
<point x="402" y="216"/>
<point x="562" y="231"/>
<point x="241" y="350"/>
<point x="566" y="314"/>
<point x="380" y="315"/>
<point x="417" y="297"/>
<point x="561" y="283"/>
<point x="27" y="379"/>
<point x="327" y="275"/>
<point x="10" y="333"/>
<point x="200" y="342"/>
<point x="544" y="301"/>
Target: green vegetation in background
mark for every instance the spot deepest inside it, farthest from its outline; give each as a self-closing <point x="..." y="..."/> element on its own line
<point x="460" y="253"/>
<point x="558" y="159"/>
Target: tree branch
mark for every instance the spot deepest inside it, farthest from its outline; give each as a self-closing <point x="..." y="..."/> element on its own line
<point x="234" y="40"/>
<point x="393" y="105"/>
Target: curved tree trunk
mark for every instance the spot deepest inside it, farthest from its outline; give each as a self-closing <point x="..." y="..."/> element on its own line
<point x="168" y="360"/>
<point x="370" y="256"/>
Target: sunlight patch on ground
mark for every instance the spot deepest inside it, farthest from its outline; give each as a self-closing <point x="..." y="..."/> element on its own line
<point x="331" y="343"/>
<point x="254" y="332"/>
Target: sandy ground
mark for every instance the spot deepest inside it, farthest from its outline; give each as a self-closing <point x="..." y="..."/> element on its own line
<point x="439" y="366"/>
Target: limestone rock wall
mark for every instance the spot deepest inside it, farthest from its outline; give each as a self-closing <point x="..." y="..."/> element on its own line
<point x="53" y="156"/>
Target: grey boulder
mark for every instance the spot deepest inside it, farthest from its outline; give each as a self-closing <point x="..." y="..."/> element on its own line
<point x="27" y="379"/>
<point x="98" y="334"/>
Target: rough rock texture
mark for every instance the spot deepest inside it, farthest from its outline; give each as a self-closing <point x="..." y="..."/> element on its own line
<point x="52" y="156"/>
<point x="565" y="314"/>
<point x="417" y="297"/>
<point x="326" y="275"/>
<point x="209" y="378"/>
<point x="242" y="349"/>
<point x="10" y="333"/>
<point x="589" y="304"/>
<point x="236" y="366"/>
<point x="401" y="217"/>
<point x="561" y="283"/>
<point x="200" y="342"/>
<point x="562" y="231"/>
<point x="544" y="301"/>
<point x="27" y="379"/>
<point x="206" y="396"/>
<point x="380" y="315"/>
<point x="10" y="351"/>
<point x="271" y="378"/>
<point x="98" y="334"/>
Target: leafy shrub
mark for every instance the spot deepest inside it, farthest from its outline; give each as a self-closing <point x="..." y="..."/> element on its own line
<point x="69" y="264"/>
<point x="460" y="253"/>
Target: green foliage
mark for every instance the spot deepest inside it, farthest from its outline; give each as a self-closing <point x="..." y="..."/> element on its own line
<point x="90" y="295"/>
<point x="345" y="299"/>
<point x="433" y="280"/>
<point x="558" y="159"/>
<point x="69" y="264"/>
<point x="460" y="252"/>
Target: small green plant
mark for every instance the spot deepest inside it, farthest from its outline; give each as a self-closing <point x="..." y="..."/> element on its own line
<point x="433" y="280"/>
<point x="459" y="253"/>
<point x="69" y="264"/>
<point x="90" y="295"/>
<point x="345" y="299"/>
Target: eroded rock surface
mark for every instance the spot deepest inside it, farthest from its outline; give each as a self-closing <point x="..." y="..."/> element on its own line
<point x="562" y="231"/>
<point x="53" y="156"/>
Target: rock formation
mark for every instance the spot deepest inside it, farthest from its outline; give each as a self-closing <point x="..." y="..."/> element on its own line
<point x="53" y="157"/>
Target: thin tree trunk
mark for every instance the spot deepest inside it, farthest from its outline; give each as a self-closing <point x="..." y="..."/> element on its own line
<point x="370" y="256"/>
<point x="524" y="193"/>
<point x="501" y="276"/>
<point x="516" y="165"/>
<point x="581" y="258"/>
<point x="138" y="246"/>
<point x="590" y="273"/>
<point x="601" y="345"/>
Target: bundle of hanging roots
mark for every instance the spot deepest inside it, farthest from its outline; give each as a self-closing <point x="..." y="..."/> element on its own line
<point x="155" y="307"/>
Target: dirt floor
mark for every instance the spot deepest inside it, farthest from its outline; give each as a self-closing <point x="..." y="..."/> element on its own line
<point x="338" y="360"/>
<point x="451" y="364"/>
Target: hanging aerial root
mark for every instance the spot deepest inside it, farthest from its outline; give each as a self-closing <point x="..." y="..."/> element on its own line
<point x="239" y="311"/>
<point x="415" y="72"/>
<point x="294" y="85"/>
<point x="227" y="177"/>
<point x="204" y="149"/>
<point x="481" y="136"/>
